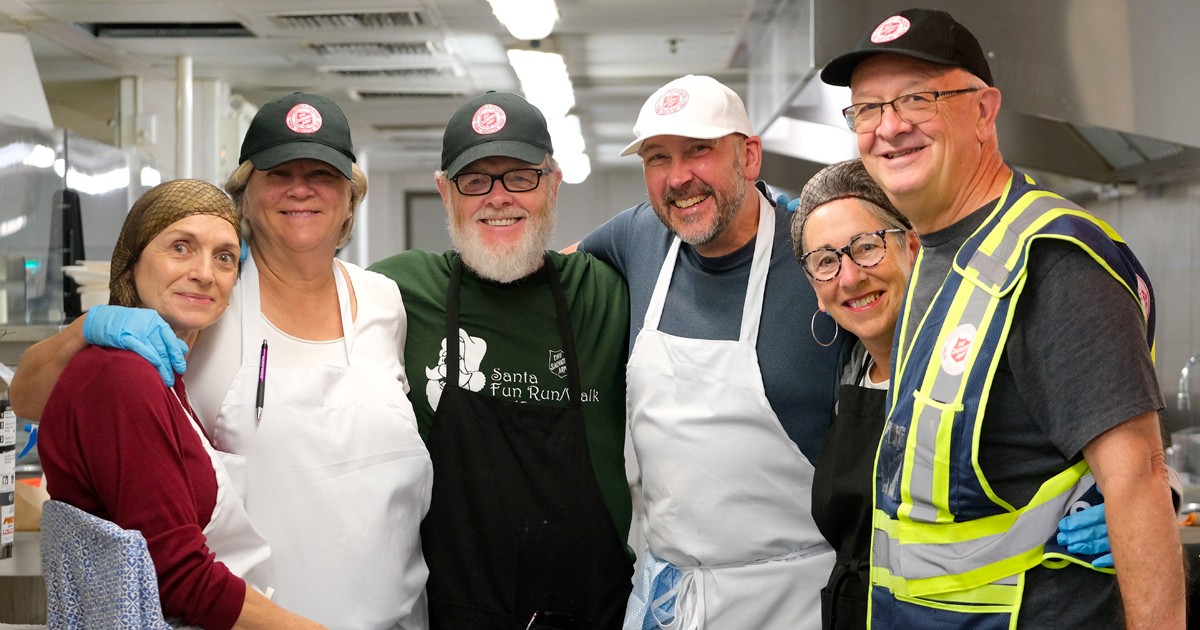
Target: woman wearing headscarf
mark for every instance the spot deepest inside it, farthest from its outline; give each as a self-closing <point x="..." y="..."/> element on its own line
<point x="118" y="443"/>
<point x="858" y="252"/>
<point x="328" y="459"/>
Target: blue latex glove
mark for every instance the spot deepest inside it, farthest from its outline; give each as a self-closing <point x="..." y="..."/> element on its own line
<point x="140" y="330"/>
<point x="783" y="202"/>
<point x="1086" y="532"/>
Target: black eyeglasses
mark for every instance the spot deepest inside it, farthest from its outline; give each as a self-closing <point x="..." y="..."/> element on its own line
<point x="866" y="250"/>
<point x="913" y="109"/>
<point x="516" y="180"/>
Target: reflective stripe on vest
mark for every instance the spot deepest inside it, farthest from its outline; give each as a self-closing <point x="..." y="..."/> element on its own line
<point x="939" y="527"/>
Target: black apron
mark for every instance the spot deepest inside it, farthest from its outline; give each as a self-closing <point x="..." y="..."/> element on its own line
<point x="517" y="525"/>
<point x="842" y="503"/>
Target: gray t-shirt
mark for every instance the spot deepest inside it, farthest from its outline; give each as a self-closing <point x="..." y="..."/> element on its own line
<point x="705" y="302"/>
<point x="1075" y="364"/>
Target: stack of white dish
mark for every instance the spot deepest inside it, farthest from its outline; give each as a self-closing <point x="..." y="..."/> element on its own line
<point x="92" y="278"/>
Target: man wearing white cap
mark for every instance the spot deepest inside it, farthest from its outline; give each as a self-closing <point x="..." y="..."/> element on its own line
<point x="728" y="396"/>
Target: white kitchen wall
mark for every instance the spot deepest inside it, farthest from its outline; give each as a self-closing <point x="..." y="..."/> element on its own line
<point x="1162" y="225"/>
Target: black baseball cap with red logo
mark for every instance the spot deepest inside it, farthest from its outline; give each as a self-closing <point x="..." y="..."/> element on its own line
<point x="495" y="124"/>
<point x="299" y="126"/>
<point x="926" y="34"/>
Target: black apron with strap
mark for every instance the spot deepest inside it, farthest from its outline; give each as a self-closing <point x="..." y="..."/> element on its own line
<point x="842" y="502"/>
<point x="517" y="526"/>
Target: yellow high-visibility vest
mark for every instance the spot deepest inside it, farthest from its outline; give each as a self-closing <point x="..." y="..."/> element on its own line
<point x="944" y="545"/>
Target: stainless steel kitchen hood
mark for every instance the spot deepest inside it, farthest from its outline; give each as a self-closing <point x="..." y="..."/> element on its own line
<point x="1103" y="91"/>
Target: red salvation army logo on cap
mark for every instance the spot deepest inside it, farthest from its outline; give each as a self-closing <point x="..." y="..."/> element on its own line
<point x="304" y="118"/>
<point x="488" y="119"/>
<point x="956" y="349"/>
<point x="890" y="29"/>
<point x="671" y="101"/>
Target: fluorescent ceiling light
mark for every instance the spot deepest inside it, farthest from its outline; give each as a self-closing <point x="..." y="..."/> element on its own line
<point x="526" y="19"/>
<point x="566" y="134"/>
<point x="575" y="167"/>
<point x="544" y="81"/>
<point x="546" y="85"/>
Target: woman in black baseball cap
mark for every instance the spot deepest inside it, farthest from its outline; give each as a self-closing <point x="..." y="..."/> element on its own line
<point x="301" y="384"/>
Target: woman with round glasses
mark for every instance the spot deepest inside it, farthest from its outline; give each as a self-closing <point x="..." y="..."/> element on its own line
<point x="858" y="252"/>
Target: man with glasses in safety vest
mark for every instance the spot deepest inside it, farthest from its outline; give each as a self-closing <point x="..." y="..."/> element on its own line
<point x="1023" y="377"/>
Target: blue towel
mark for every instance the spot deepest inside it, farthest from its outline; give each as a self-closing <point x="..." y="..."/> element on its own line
<point x="97" y="574"/>
<point x="652" y="602"/>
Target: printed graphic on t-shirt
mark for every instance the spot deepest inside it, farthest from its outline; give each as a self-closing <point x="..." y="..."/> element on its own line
<point x="471" y="351"/>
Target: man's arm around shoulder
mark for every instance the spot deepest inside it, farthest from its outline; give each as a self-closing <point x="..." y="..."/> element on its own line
<point x="40" y="367"/>
<point x="1128" y="463"/>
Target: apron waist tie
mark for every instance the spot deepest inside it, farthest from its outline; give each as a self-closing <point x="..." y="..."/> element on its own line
<point x="671" y="597"/>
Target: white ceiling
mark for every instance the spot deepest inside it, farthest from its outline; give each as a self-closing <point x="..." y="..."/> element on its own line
<point x="399" y="82"/>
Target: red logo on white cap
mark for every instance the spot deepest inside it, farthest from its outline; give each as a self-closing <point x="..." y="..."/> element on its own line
<point x="956" y="348"/>
<point x="890" y="29"/>
<point x="671" y="101"/>
<point x="488" y="119"/>
<point x="304" y="118"/>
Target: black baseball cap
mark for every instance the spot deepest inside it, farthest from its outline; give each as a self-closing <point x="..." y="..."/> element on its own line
<point x="495" y="123"/>
<point x="925" y="34"/>
<point x="299" y="126"/>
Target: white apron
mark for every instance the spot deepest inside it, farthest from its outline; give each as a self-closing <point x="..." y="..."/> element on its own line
<point x="335" y="477"/>
<point x="229" y="534"/>
<point x="727" y="493"/>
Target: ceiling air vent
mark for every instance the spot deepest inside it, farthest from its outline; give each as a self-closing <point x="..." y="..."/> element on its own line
<point x="393" y="73"/>
<point x="354" y="21"/>
<point x="373" y="49"/>
<point x="171" y="30"/>
<point x="374" y="95"/>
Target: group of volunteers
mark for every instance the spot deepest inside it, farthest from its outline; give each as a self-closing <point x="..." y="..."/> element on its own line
<point x="439" y="441"/>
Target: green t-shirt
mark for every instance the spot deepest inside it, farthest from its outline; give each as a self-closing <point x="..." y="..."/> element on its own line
<point x="512" y="350"/>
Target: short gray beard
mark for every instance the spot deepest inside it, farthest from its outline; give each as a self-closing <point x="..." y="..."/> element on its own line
<point x="506" y="264"/>
<point x="726" y="209"/>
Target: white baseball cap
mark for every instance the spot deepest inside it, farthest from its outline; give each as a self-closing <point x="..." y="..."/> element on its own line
<point x="693" y="107"/>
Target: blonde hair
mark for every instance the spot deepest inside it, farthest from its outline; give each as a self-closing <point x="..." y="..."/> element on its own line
<point x="240" y="178"/>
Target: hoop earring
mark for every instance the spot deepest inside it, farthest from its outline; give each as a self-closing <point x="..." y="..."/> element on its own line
<point x="813" y="328"/>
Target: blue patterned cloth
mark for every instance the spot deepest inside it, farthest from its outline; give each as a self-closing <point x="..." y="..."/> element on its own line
<point x="652" y="602"/>
<point x="97" y="574"/>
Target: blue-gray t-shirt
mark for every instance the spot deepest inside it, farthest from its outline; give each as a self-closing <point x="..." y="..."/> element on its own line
<point x="705" y="302"/>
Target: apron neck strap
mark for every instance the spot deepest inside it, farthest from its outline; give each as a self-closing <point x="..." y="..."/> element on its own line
<point x="252" y="317"/>
<point x="562" y="319"/>
<point x="760" y="264"/>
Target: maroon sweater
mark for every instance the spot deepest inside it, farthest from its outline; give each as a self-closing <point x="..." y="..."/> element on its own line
<point x="114" y="442"/>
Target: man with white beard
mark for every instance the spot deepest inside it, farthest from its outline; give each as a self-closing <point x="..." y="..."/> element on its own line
<point x="530" y="508"/>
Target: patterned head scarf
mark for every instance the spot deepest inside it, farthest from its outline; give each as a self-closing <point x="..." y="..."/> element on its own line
<point x="152" y="213"/>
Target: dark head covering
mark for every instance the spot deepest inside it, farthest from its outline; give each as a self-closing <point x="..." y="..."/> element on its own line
<point x="152" y="213"/>
<point x="925" y="34"/>
<point x="495" y="124"/>
<point x="299" y="126"/>
<point x="844" y="180"/>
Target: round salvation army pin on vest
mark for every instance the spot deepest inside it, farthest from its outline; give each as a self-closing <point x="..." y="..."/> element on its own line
<point x="304" y="118"/>
<point x="488" y="119"/>
<point x="890" y="29"/>
<point x="671" y="101"/>
<point x="956" y="348"/>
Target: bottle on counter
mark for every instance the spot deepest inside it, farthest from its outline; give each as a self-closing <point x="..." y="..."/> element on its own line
<point x="8" y="478"/>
